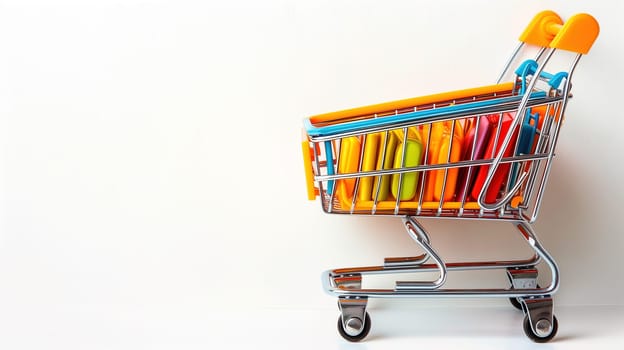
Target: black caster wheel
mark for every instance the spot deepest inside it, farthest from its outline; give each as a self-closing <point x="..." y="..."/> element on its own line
<point x="543" y="326"/>
<point x="357" y="331"/>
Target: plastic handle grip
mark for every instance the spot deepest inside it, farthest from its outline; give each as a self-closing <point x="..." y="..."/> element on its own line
<point x="542" y="29"/>
<point x="547" y="29"/>
<point x="553" y="28"/>
<point x="577" y="34"/>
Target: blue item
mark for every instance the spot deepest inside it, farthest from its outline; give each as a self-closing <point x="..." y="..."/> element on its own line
<point x="525" y="142"/>
<point x="527" y="133"/>
<point x="330" y="166"/>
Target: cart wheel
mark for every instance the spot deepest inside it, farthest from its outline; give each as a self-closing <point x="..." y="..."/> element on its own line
<point x="544" y="325"/>
<point x="352" y="334"/>
<point x="515" y="303"/>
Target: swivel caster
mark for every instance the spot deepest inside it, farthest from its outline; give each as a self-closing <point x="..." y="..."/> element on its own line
<point x="353" y="329"/>
<point x="354" y="322"/>
<point x="544" y="330"/>
<point x="540" y="324"/>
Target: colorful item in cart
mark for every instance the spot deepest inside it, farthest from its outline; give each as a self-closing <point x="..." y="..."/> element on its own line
<point x="496" y="140"/>
<point x="369" y="163"/>
<point x="385" y="160"/>
<point x="475" y="141"/>
<point x="408" y="154"/>
<point x="525" y="142"/>
<point x="484" y="138"/>
<point x="387" y="148"/>
<point x="350" y="148"/>
<point x="329" y="155"/>
<point x="381" y="151"/>
<point x="442" y="150"/>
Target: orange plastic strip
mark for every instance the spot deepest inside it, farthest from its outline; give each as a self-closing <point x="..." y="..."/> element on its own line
<point x="345" y="204"/>
<point x="371" y="110"/>
<point x="307" y="168"/>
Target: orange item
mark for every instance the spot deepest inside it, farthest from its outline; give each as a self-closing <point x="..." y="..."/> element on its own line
<point x="439" y="144"/>
<point x="309" y="171"/>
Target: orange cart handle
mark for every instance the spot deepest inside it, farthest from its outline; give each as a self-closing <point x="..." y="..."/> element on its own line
<point x="548" y="30"/>
<point x="542" y="29"/>
<point x="577" y="34"/>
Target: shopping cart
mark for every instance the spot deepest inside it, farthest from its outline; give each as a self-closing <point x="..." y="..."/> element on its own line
<point x="483" y="153"/>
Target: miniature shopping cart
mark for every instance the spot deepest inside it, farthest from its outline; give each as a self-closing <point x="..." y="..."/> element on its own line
<point x="483" y="153"/>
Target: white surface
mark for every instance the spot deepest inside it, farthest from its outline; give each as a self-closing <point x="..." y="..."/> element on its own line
<point x="151" y="177"/>
<point x="394" y="326"/>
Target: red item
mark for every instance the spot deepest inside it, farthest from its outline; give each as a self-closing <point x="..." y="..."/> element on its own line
<point x="503" y="169"/>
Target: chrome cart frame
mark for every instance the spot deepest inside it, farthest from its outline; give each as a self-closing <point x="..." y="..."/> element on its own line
<point x="326" y="142"/>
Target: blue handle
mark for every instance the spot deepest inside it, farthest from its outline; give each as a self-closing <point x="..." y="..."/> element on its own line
<point x="529" y="67"/>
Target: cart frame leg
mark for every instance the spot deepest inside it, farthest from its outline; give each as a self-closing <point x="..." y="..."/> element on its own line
<point x="531" y="238"/>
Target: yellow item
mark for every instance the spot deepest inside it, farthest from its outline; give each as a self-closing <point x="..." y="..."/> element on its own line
<point x="348" y="163"/>
<point x="369" y="162"/>
<point x="382" y="186"/>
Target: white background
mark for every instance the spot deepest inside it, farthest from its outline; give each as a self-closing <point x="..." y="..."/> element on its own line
<point x="152" y="191"/>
